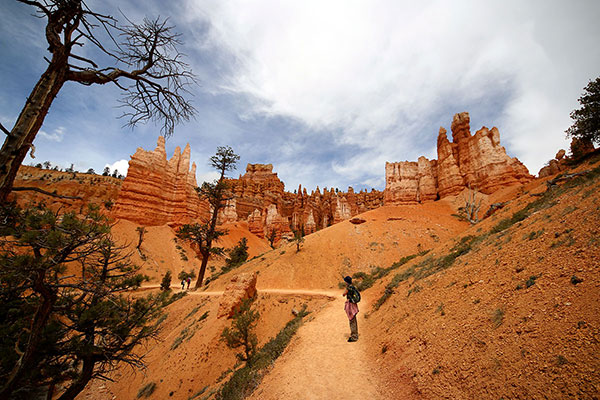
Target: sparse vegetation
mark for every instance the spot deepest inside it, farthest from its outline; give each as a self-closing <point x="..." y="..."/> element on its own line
<point x="241" y="332"/>
<point x="146" y="390"/>
<point x="165" y="284"/>
<point x="441" y="310"/>
<point x="568" y="240"/>
<point x="531" y="281"/>
<point x="244" y="380"/>
<point x="188" y="332"/>
<point x="471" y="205"/>
<point x="576" y="280"/>
<point x="430" y="266"/>
<point x="237" y="256"/>
<point x="414" y="289"/>
<point x="184" y="275"/>
<point x="561" y="360"/>
<point x="298" y="239"/>
<point x="535" y="235"/>
<point x="497" y="317"/>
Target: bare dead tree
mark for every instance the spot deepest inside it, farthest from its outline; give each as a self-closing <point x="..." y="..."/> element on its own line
<point x="148" y="68"/>
<point x="470" y="210"/>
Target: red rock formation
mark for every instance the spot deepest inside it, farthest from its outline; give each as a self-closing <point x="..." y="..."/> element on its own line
<point x="263" y="202"/>
<point x="158" y="191"/>
<point x="555" y="165"/>
<point x="240" y="288"/>
<point x="477" y="161"/>
<point x="409" y="182"/>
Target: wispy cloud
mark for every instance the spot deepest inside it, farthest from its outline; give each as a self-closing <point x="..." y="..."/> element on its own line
<point x="56" y="135"/>
<point x="379" y="72"/>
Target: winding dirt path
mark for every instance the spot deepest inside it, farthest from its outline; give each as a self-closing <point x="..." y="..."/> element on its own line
<point x="319" y="363"/>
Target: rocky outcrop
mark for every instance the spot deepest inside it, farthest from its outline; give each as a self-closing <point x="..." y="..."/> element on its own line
<point x="263" y="202"/>
<point x="240" y="288"/>
<point x="554" y="166"/>
<point x="158" y="191"/>
<point x="476" y="161"/>
<point x="408" y="182"/>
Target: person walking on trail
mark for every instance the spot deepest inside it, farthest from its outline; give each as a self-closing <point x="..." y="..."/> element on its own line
<point x="182" y="284"/>
<point x="351" y="307"/>
<point x="188" y="280"/>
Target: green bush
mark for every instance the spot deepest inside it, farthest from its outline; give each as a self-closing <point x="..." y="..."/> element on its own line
<point x="165" y="284"/>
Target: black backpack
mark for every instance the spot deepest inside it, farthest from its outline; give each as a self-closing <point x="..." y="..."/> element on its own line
<point x="353" y="295"/>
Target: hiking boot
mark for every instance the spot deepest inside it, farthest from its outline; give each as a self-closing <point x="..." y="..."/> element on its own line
<point x="352" y="339"/>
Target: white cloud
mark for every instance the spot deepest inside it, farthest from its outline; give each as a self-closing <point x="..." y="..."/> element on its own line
<point x="210" y="176"/>
<point x="122" y="166"/>
<point x="57" y="134"/>
<point x="378" y="71"/>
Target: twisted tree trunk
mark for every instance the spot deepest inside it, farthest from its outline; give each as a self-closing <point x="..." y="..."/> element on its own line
<point x="17" y="144"/>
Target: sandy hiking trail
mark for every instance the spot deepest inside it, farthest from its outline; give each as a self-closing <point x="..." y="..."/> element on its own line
<point x="319" y="363"/>
<point x="283" y="292"/>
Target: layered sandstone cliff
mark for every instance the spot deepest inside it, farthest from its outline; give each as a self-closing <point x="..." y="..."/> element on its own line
<point x="158" y="191"/>
<point x="476" y="161"/>
<point x="261" y="199"/>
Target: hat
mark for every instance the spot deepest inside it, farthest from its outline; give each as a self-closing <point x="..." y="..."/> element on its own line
<point x="348" y="280"/>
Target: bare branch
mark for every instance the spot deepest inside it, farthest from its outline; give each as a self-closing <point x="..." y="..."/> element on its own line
<point x="87" y="60"/>
<point x="36" y="4"/>
<point x="3" y="129"/>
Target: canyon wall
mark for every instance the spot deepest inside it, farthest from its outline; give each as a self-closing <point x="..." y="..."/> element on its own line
<point x="158" y="191"/>
<point x="260" y="198"/>
<point x="476" y="161"/>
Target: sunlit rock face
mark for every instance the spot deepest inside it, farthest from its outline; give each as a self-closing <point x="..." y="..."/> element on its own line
<point x="158" y="191"/>
<point x="477" y="161"/>
<point x="261" y="200"/>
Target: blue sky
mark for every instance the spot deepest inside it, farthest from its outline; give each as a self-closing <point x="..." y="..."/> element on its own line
<point x="328" y="91"/>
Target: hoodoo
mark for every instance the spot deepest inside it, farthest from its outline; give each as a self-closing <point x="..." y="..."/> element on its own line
<point x="158" y="191"/>
<point x="476" y="161"/>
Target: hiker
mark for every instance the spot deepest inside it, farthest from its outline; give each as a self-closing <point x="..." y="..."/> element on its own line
<point x="351" y="307"/>
<point x="188" y="280"/>
<point x="182" y="284"/>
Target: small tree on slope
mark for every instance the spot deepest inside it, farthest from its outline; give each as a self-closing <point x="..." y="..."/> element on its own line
<point x="241" y="334"/>
<point x="586" y="119"/>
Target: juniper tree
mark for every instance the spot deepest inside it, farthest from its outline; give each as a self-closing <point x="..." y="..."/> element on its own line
<point x="586" y="119"/>
<point x="216" y="193"/>
<point x="299" y="238"/>
<point x="65" y="317"/>
<point x="146" y="65"/>
<point x="241" y="334"/>
<point x="237" y="255"/>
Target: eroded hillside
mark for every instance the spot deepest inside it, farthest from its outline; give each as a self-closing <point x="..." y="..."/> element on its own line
<point x="506" y="310"/>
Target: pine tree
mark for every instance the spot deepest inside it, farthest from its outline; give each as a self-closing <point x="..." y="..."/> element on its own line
<point x="237" y="256"/>
<point x="58" y="329"/>
<point x="216" y="193"/>
<point x="241" y="334"/>
<point x="586" y="119"/>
